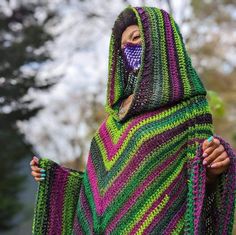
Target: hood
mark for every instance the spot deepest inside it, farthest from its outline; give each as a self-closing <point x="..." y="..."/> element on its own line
<point x="166" y="75"/>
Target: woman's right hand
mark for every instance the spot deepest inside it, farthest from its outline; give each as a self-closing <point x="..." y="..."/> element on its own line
<point x="39" y="174"/>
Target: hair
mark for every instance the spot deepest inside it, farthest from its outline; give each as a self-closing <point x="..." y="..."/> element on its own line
<point x="125" y="19"/>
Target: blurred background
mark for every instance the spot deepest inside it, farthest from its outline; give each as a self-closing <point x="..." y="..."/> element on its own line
<point x="53" y="74"/>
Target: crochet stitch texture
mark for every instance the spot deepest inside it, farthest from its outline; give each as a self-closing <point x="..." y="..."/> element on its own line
<point x="144" y="173"/>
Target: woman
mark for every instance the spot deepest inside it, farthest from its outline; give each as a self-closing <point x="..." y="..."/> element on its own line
<point x="151" y="169"/>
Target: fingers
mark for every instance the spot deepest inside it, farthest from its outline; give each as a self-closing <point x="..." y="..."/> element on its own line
<point x="39" y="174"/>
<point x="207" y="143"/>
<point x="35" y="174"/>
<point x="210" y="146"/>
<point x="212" y="154"/>
<point x="36" y="169"/>
<point x="215" y="156"/>
<point x="39" y="179"/>
<point x="36" y="159"/>
<point x="220" y="158"/>
<point x="32" y="162"/>
<point x="221" y="164"/>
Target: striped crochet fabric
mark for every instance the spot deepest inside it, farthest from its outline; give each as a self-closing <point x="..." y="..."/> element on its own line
<point x="144" y="173"/>
<point x="56" y="199"/>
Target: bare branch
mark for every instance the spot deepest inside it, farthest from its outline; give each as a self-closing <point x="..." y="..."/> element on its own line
<point x="170" y="6"/>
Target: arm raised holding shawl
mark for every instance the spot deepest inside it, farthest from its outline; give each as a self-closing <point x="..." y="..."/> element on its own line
<point x="211" y="188"/>
<point x="57" y="197"/>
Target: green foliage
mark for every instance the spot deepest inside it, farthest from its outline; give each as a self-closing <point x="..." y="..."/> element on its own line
<point x="216" y="104"/>
<point x="234" y="138"/>
<point x="212" y="47"/>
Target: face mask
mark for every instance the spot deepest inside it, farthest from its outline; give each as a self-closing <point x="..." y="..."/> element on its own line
<point x="132" y="56"/>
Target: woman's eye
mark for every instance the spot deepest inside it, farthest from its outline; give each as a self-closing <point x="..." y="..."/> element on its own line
<point x="136" y="37"/>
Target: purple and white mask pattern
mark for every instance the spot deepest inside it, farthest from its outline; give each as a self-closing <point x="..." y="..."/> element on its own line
<point x="132" y="56"/>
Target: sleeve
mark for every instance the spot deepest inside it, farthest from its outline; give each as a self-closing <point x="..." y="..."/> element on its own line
<point x="56" y="199"/>
<point x="208" y="211"/>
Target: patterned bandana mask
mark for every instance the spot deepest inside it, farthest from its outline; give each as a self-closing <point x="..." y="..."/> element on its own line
<point x="132" y="56"/>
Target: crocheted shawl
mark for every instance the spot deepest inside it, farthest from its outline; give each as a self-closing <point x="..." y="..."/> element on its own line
<point x="144" y="173"/>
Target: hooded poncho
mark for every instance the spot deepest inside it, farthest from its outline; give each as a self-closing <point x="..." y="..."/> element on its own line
<point x="144" y="173"/>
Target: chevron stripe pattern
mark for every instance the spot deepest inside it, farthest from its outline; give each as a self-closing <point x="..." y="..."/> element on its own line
<point x="135" y="182"/>
<point x="144" y="173"/>
<point x="144" y="177"/>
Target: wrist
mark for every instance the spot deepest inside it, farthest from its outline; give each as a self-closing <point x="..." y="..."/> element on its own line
<point x="211" y="178"/>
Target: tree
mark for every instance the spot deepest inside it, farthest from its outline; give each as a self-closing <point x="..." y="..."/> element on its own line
<point x="22" y="36"/>
<point x="212" y="44"/>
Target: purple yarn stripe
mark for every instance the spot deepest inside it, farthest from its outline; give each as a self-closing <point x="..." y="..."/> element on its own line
<point x="85" y="207"/>
<point x="168" y="191"/>
<point x="56" y="201"/>
<point x="77" y="227"/>
<point x="103" y="132"/>
<point x="132" y="199"/>
<point x="112" y="79"/>
<point x="158" y="140"/>
<point x="198" y="189"/>
<point x="230" y="185"/>
<point x="136" y="160"/>
<point x="171" y="57"/>
<point x="159" y="217"/>
<point x="94" y="185"/>
<point x="175" y="220"/>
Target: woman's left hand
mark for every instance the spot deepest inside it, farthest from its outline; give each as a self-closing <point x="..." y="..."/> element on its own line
<point x="215" y="157"/>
